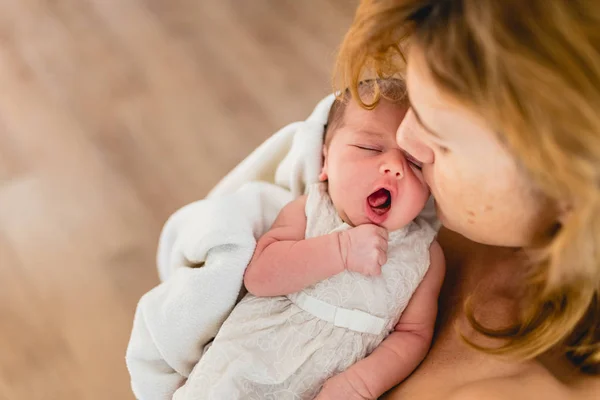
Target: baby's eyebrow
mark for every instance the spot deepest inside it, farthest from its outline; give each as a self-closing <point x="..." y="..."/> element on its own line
<point x="381" y="135"/>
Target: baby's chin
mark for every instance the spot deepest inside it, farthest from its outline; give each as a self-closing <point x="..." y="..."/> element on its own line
<point x="392" y="219"/>
<point x="394" y="224"/>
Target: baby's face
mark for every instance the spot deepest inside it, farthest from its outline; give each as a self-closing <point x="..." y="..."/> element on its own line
<point x="370" y="180"/>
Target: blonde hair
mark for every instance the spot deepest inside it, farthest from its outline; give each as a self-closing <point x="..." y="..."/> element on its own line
<point x="532" y="70"/>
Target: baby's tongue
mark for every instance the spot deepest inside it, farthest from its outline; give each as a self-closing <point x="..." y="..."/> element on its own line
<point x="378" y="198"/>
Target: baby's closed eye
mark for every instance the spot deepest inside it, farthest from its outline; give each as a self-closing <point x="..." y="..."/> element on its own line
<point x="372" y="148"/>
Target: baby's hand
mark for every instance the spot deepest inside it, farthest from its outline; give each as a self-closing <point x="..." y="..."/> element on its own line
<point x="364" y="249"/>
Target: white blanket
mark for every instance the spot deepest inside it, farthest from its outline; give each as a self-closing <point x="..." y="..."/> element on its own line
<point x="204" y="249"/>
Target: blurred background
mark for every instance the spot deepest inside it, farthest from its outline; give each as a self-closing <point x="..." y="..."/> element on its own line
<point x="113" y="114"/>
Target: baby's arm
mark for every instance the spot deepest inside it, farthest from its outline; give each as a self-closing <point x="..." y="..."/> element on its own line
<point x="285" y="262"/>
<point x="404" y="349"/>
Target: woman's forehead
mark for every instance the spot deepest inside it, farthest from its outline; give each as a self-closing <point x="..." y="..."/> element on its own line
<point x="436" y="110"/>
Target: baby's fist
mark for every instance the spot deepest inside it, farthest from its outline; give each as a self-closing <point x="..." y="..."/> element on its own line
<point x="364" y="249"/>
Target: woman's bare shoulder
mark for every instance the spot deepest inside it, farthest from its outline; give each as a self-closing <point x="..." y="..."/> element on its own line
<point x="530" y="385"/>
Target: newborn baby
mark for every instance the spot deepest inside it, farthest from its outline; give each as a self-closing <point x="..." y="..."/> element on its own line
<point x="343" y="288"/>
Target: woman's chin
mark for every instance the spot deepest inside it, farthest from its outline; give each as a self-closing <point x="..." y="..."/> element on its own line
<point x="453" y="226"/>
<point x="440" y="214"/>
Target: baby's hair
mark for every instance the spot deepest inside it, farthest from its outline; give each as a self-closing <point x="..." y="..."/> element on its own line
<point x="372" y="90"/>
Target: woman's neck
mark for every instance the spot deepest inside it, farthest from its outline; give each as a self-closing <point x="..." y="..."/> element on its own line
<point x="493" y="275"/>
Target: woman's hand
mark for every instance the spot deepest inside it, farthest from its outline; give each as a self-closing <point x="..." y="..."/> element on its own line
<point x="341" y="387"/>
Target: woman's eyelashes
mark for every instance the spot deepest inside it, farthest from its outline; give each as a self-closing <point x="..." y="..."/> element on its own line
<point x="415" y="165"/>
<point x="443" y="149"/>
<point x="412" y="160"/>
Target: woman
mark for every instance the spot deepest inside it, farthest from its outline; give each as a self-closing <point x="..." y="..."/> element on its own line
<point x="505" y="124"/>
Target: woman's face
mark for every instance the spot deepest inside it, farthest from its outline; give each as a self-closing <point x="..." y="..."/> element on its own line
<point x="480" y="191"/>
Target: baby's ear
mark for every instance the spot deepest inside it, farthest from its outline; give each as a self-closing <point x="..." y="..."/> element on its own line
<point x="323" y="175"/>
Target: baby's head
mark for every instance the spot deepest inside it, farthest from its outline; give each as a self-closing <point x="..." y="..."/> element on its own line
<point x="369" y="178"/>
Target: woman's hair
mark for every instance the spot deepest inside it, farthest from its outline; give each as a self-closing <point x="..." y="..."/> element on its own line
<point x="531" y="68"/>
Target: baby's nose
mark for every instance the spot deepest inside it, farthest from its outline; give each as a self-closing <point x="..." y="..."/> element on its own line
<point x="394" y="168"/>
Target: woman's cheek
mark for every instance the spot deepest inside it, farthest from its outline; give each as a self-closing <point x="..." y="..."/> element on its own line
<point x="428" y="173"/>
<point x="446" y="186"/>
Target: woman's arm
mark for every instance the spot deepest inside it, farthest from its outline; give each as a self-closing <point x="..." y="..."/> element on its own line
<point x="285" y="262"/>
<point x="403" y="350"/>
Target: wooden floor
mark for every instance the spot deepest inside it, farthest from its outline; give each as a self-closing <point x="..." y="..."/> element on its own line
<point x="113" y="114"/>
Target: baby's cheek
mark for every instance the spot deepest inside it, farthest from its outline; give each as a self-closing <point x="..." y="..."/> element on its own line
<point x="420" y="194"/>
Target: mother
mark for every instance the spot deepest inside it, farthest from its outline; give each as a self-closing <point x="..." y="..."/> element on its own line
<point x="505" y="122"/>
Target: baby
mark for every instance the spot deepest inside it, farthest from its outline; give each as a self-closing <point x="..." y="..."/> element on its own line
<point x="337" y="306"/>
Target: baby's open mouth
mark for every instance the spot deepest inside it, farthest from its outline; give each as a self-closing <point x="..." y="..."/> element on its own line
<point x="380" y="201"/>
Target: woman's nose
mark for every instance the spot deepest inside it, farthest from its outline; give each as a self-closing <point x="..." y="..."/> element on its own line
<point x="405" y="136"/>
<point x="408" y="138"/>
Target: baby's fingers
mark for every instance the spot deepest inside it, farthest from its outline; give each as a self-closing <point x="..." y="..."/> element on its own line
<point x="382" y="244"/>
<point x="381" y="258"/>
<point x="383" y="233"/>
